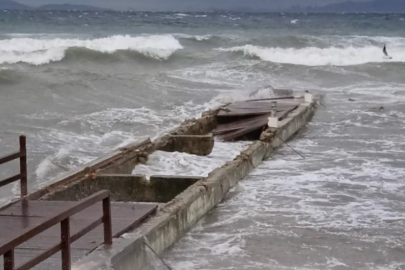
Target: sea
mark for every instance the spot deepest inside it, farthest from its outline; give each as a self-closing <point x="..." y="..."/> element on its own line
<point x="80" y="84"/>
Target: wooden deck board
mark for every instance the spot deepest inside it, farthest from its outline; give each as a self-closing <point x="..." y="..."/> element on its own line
<point x="22" y="215"/>
<point x="252" y="108"/>
<point x="244" y="117"/>
<point x="223" y="128"/>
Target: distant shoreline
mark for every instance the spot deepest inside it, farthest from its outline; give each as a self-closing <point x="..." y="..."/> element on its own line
<point x="254" y="6"/>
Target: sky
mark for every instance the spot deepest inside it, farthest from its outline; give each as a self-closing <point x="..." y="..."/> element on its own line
<point x="188" y="4"/>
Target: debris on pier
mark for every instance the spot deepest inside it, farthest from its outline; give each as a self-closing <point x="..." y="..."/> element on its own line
<point x="246" y="118"/>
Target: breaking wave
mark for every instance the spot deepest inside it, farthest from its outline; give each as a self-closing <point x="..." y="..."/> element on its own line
<point x="312" y="56"/>
<point x="44" y="51"/>
<point x="194" y="37"/>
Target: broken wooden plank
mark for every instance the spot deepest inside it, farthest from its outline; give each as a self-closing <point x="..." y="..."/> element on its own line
<point x="273" y="98"/>
<point x="236" y="133"/>
<point x="255" y="108"/>
<point x="283" y="114"/>
<point x="230" y="136"/>
<point x="239" y="124"/>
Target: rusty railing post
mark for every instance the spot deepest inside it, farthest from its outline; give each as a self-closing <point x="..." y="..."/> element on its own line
<point x="107" y="221"/>
<point x="23" y="166"/>
<point x="65" y="244"/>
<point x="9" y="260"/>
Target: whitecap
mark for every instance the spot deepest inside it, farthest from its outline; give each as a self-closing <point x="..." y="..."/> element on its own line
<point x="313" y="56"/>
<point x="43" y="51"/>
<point x="195" y="37"/>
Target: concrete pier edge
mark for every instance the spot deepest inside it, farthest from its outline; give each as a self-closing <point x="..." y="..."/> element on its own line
<point x="176" y="217"/>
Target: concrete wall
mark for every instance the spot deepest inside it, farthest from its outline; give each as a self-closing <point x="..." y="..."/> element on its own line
<point x="200" y="145"/>
<point x="133" y="188"/>
<point x="180" y="214"/>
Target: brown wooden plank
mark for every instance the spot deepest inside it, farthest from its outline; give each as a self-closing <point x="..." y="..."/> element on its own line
<point x="241" y="113"/>
<point x="24" y="253"/>
<point x="36" y="208"/>
<point x="274" y="98"/>
<point x="49" y="264"/>
<point x="244" y="104"/>
<point x="283" y="114"/>
<point x="240" y="132"/>
<point x="32" y="262"/>
<point x="252" y="110"/>
<point x="262" y="104"/>
<point x="49" y="208"/>
<point x="54" y="262"/>
<point x="12" y="226"/>
<point x="251" y="121"/>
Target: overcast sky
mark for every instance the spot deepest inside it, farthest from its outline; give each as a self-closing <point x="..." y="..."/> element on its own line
<point x="191" y="4"/>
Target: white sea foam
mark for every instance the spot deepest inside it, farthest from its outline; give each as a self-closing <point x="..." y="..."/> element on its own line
<point x="195" y="37"/>
<point x="190" y="165"/>
<point x="182" y="15"/>
<point x="313" y="56"/>
<point x="51" y="163"/>
<point x="42" y="51"/>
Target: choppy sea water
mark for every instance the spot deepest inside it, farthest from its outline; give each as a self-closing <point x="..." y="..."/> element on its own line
<point x="342" y="207"/>
<point x="79" y="84"/>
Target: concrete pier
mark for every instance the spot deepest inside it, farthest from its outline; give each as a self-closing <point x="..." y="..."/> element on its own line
<point x="181" y="213"/>
<point x="181" y="200"/>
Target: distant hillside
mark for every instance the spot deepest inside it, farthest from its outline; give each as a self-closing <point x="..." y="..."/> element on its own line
<point x="68" y="7"/>
<point x="8" y="4"/>
<point x="376" y="6"/>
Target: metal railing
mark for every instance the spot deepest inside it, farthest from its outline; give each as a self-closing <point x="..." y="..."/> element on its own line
<point x="22" y="176"/>
<point x="7" y="248"/>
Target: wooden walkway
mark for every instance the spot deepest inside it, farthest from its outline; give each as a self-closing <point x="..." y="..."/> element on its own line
<point x="26" y="214"/>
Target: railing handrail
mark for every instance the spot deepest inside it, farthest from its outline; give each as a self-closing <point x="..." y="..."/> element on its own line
<point x="62" y="218"/>
<point x="10" y="157"/>
<point x="22" y="155"/>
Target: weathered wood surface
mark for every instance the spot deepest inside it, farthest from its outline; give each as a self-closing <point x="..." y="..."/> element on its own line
<point x="254" y="122"/>
<point x="25" y="214"/>
<point x="241" y="118"/>
<point x="246" y="108"/>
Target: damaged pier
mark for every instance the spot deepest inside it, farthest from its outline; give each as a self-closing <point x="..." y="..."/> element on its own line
<point x="156" y="210"/>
